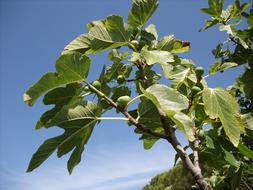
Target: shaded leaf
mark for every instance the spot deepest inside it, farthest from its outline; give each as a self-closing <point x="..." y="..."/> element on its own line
<point x="229" y="157"/>
<point x="246" y="81"/>
<point x="245" y="151"/>
<point x="59" y="96"/>
<point x="149" y="117"/>
<point x="78" y="123"/>
<point x="120" y="91"/>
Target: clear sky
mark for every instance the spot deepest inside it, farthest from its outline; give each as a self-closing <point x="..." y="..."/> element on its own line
<point x="32" y="35"/>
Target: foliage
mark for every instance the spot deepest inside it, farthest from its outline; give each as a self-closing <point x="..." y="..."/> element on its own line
<point x="178" y="178"/>
<point x="175" y="179"/>
<point x="186" y="104"/>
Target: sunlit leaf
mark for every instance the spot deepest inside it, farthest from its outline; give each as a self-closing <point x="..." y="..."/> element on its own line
<point x="109" y="34"/>
<point x="71" y="68"/>
<point x="220" y="104"/>
<point x="141" y="11"/>
<point x="172" y="45"/>
<point x="155" y="56"/>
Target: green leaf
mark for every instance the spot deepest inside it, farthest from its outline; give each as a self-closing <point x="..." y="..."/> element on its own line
<point x="78" y="123"/>
<point x="120" y="91"/>
<point x="148" y="141"/>
<point x="167" y="99"/>
<point x="141" y="11"/>
<point x="245" y="151"/>
<point x="108" y="34"/>
<point x="220" y="104"/>
<point x="209" y="24"/>
<point x="151" y="29"/>
<point x="59" y="96"/>
<point x="149" y="118"/>
<point x="229" y="157"/>
<point x="149" y="115"/>
<point x="179" y="74"/>
<point x="247" y="120"/>
<point x="246" y="81"/>
<point x="172" y="45"/>
<point x="250" y="20"/>
<point x="155" y="56"/>
<point x="71" y="68"/>
<point x="46" y="117"/>
<point x="215" y="8"/>
<point x="220" y="67"/>
<point x="117" y="68"/>
<point x="81" y="44"/>
<point x="171" y="102"/>
<point x="185" y="124"/>
<point x="63" y="95"/>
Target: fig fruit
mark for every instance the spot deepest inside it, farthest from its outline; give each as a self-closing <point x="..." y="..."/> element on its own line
<point x="123" y="101"/>
<point x="120" y="79"/>
<point x="96" y="84"/>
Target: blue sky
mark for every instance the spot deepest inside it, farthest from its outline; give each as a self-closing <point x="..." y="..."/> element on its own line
<point x="33" y="34"/>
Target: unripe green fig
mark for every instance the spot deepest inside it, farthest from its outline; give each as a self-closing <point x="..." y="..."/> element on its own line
<point x="120" y="79"/>
<point x="96" y="84"/>
<point x="195" y="90"/>
<point x="123" y="101"/>
<point x="199" y="71"/>
<point x="86" y="88"/>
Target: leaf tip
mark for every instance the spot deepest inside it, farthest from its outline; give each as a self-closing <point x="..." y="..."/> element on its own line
<point x="27" y="99"/>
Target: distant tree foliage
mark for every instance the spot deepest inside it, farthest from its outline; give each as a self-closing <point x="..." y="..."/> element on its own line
<point x="178" y="178"/>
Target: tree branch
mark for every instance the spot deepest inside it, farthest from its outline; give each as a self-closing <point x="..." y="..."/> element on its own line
<point x="196" y="149"/>
<point x="194" y="169"/>
<point x="125" y="113"/>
